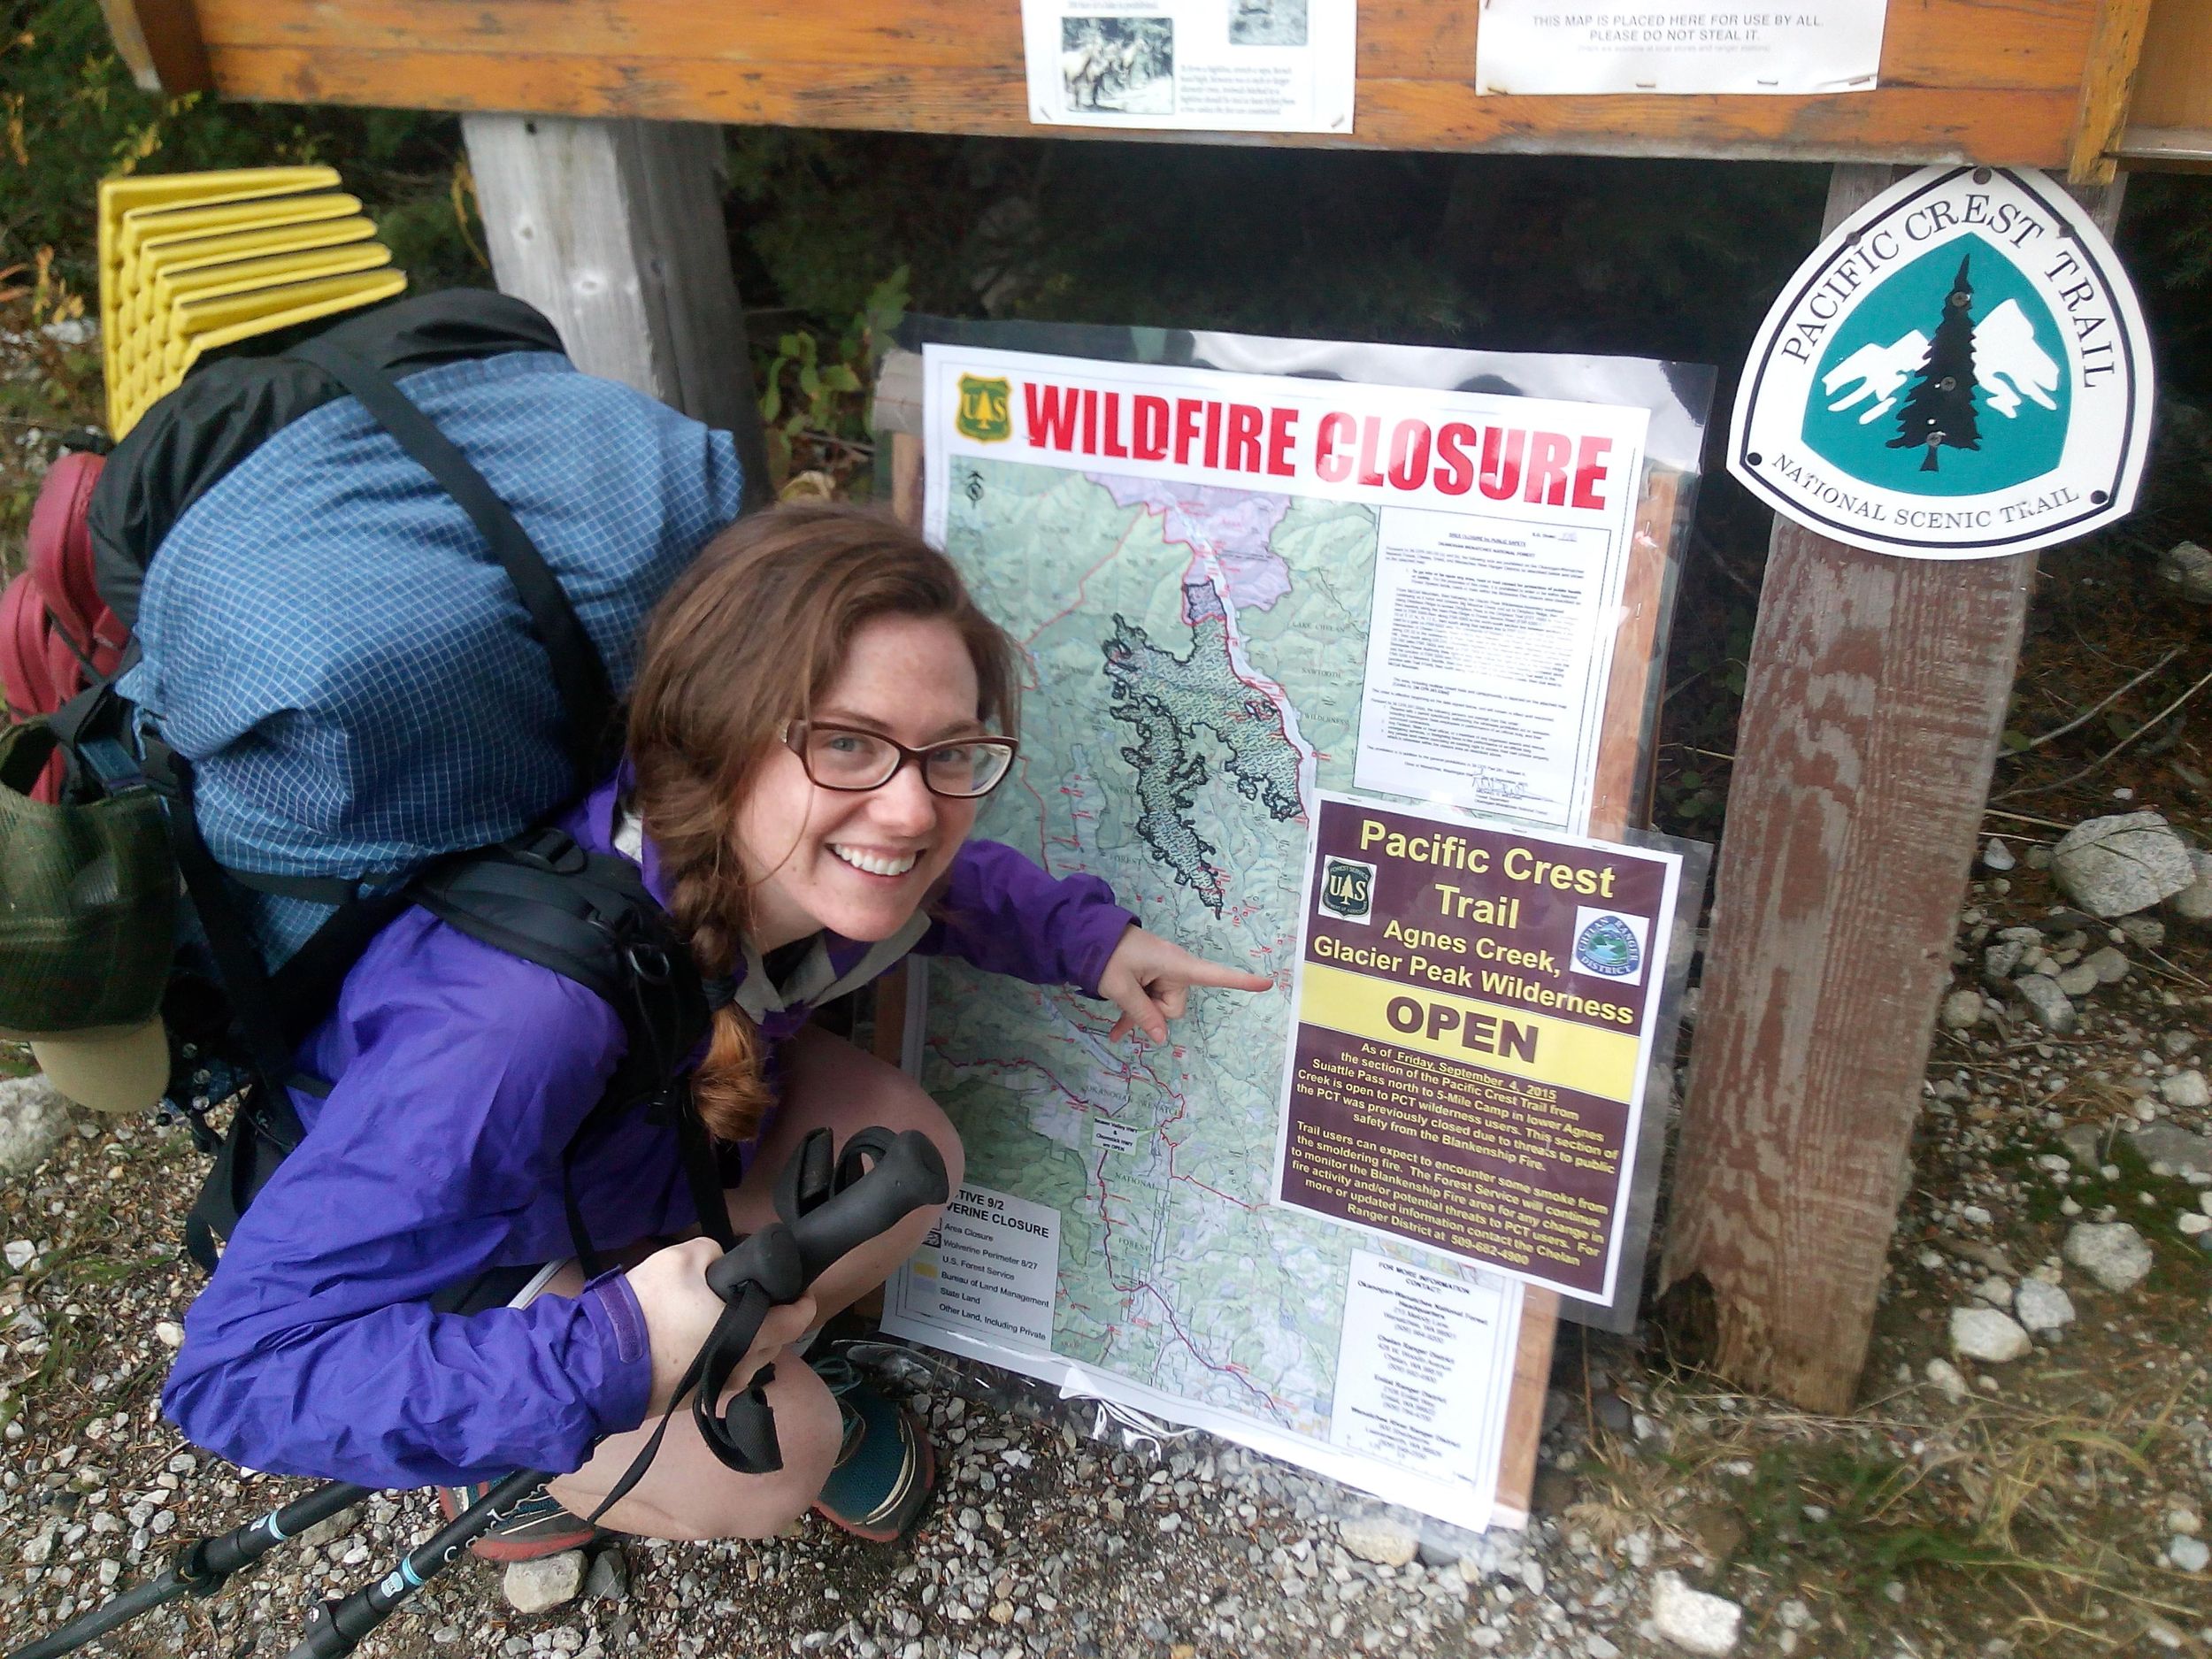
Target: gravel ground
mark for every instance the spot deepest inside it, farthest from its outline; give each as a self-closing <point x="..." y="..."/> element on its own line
<point x="1655" y="1481"/>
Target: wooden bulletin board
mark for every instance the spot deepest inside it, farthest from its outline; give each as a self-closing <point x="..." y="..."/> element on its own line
<point x="2025" y="82"/>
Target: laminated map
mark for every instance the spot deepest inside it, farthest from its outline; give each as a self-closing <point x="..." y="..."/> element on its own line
<point x="1197" y="649"/>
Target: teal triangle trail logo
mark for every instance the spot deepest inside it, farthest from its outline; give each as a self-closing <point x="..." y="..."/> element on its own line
<point x="1960" y="370"/>
<point x="1949" y="380"/>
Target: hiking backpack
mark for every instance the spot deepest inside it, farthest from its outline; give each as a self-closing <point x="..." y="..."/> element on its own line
<point x="382" y="594"/>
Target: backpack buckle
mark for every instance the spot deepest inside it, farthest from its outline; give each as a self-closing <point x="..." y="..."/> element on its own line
<point x="548" y="849"/>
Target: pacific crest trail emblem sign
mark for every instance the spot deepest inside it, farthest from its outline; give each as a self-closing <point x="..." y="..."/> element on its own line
<point x="1960" y="371"/>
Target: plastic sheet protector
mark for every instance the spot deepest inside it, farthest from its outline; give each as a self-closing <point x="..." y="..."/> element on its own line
<point x="1237" y="591"/>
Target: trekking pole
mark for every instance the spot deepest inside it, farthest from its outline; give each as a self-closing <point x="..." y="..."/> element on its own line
<point x="826" y="1214"/>
<point x="200" y="1567"/>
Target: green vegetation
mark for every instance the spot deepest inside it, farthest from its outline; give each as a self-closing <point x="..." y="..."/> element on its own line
<point x="70" y="115"/>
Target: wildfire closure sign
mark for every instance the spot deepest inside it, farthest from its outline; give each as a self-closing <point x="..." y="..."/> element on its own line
<point x="1961" y="370"/>
<point x="1473" y="1017"/>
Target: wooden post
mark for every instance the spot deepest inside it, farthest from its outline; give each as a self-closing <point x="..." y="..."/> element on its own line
<point x="159" y="42"/>
<point x="613" y="229"/>
<point x="2115" y="49"/>
<point x="1876" y="695"/>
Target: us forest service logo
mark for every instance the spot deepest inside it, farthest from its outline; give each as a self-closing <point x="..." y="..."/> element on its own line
<point x="1961" y="370"/>
<point x="986" y="412"/>
<point x="1347" y="890"/>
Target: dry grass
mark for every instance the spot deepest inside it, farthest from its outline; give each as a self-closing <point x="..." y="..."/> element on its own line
<point x="1914" y="1525"/>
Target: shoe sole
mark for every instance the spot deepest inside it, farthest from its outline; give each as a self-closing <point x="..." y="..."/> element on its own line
<point x="928" y="1482"/>
<point x="506" y="1552"/>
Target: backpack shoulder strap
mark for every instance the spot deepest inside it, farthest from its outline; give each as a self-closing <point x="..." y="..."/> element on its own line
<point x="588" y="918"/>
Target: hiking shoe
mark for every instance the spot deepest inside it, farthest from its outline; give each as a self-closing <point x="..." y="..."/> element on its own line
<point x="886" y="1471"/>
<point x="535" y="1527"/>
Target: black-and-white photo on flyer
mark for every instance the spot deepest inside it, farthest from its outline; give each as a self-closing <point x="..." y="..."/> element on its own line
<point x="1119" y="66"/>
<point x="1229" y="65"/>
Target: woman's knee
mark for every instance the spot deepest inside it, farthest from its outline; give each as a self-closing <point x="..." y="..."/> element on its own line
<point x="908" y="1106"/>
<point x="807" y="1434"/>
<point x="690" y="1496"/>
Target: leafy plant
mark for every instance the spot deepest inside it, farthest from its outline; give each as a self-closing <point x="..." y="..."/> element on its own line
<point x="813" y="398"/>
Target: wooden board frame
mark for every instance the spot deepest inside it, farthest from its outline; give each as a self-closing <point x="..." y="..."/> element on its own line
<point x="1625" y="752"/>
<point x="2014" y="82"/>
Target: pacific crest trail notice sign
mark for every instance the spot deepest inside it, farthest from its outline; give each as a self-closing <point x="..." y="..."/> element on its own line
<point x="1474" y="1017"/>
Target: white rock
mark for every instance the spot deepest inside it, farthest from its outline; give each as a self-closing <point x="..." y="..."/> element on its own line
<point x="169" y="1332"/>
<point x="2044" y="1308"/>
<point x="1691" y="1619"/>
<point x="2186" y="1088"/>
<point x="2048" y="1006"/>
<point x="2117" y="866"/>
<point x="2176" y="1147"/>
<point x="33" y="1117"/>
<point x="2146" y="930"/>
<point x="1997" y="856"/>
<point x="1381" y="1538"/>
<point x="2186" y="570"/>
<point x="2189" y="1224"/>
<point x="2112" y="1253"/>
<point x="551" y="1581"/>
<point x="2078" y="980"/>
<point x="1987" y="1335"/>
<point x="2193" y="903"/>
<point x="20" y="1253"/>
<point x="1996" y="1292"/>
<point x="1948" y="1377"/>
<point x="1961" y="1010"/>
<point x="2110" y="964"/>
<point x="2189" y="1554"/>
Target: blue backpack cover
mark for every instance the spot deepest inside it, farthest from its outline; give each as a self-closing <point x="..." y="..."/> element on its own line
<point x="326" y="637"/>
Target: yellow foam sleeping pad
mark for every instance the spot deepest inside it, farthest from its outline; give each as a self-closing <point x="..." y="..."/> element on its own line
<point x="190" y="263"/>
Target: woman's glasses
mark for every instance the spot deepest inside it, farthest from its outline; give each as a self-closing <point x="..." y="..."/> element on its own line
<point x="841" y="757"/>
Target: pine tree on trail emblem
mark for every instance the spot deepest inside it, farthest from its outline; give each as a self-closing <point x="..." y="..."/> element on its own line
<point x="1939" y="409"/>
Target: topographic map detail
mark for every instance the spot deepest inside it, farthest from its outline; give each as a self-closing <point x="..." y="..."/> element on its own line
<point x="1197" y="664"/>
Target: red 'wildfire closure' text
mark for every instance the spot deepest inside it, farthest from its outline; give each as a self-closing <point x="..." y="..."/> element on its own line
<point x="1502" y="463"/>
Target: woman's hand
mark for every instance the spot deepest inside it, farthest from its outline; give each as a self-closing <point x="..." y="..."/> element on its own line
<point x="1149" y="980"/>
<point x="680" y="1314"/>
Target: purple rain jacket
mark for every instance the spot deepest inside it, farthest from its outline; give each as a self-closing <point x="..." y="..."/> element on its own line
<point x="460" y="1074"/>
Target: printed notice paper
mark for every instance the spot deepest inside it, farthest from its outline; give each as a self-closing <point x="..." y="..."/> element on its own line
<point x="1413" y="1377"/>
<point x="989" y="1267"/>
<point x="1663" y="46"/>
<point x="1219" y="66"/>
<point x="1483" y="665"/>
<point x="1474" y="1017"/>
